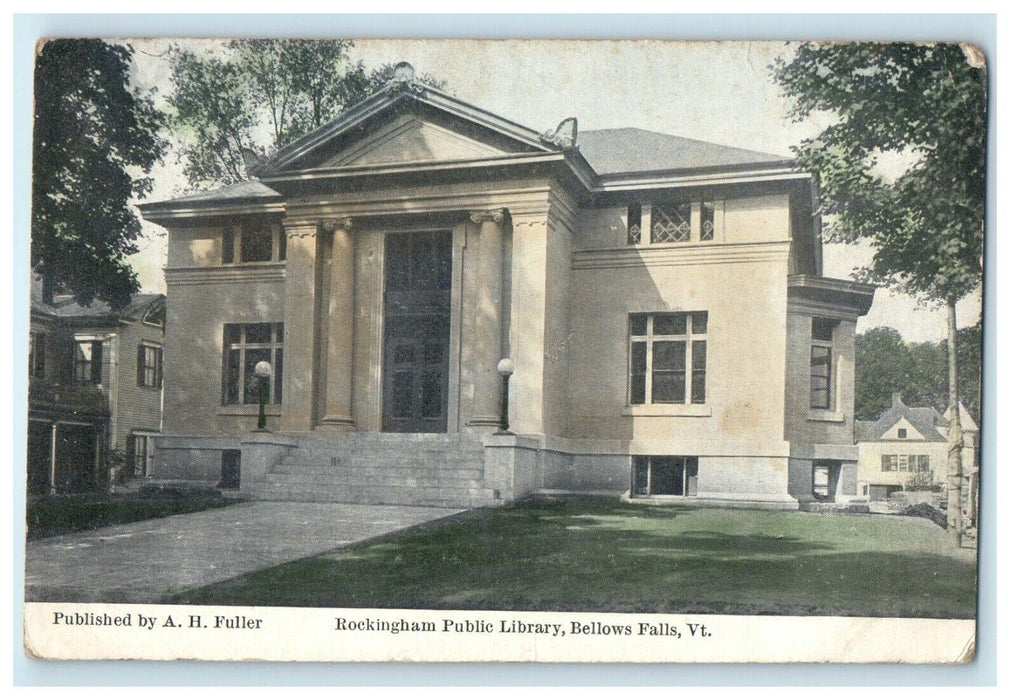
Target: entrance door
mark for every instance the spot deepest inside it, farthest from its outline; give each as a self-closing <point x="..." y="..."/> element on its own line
<point x="418" y="282"/>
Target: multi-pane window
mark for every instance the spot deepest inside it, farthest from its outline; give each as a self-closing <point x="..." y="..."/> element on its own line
<point x="37" y="354"/>
<point x="138" y="453"/>
<point x="905" y="463"/>
<point x="664" y="476"/>
<point x="149" y="365"/>
<point x="707" y="220"/>
<point x="244" y="346"/>
<point x="821" y="365"/>
<point x="671" y="223"/>
<point x="634" y="225"/>
<point x="253" y="241"/>
<point x="667" y="358"/>
<point x="88" y="361"/>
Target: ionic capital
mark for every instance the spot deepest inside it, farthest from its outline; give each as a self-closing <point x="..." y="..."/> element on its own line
<point x="343" y="223"/>
<point x="480" y="216"/>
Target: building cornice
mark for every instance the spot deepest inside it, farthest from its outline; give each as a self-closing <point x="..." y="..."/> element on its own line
<point x="809" y="290"/>
<point x="669" y="254"/>
<point x="656" y="181"/>
<point x="247" y="272"/>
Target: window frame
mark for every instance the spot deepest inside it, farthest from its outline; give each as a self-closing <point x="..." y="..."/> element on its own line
<point x="94" y="363"/>
<point x="642" y="220"/>
<point x="143" y="365"/>
<point x="236" y="235"/>
<point x="824" y="345"/>
<point x="37" y="354"/>
<point x="686" y="465"/>
<point x="275" y="347"/>
<point x="689" y="370"/>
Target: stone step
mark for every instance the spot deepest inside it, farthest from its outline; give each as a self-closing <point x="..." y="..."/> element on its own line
<point x="376" y="471"/>
<point x="451" y="498"/>
<point x="329" y="481"/>
<point x="390" y="454"/>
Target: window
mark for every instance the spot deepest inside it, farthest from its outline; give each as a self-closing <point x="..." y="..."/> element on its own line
<point x="671" y="223"/>
<point x="905" y="463"/>
<point x="635" y="224"/>
<point x="149" y="365"/>
<point x="664" y="476"/>
<point x="254" y="240"/>
<point x="139" y="455"/>
<point x="88" y="361"/>
<point x="667" y="358"/>
<point x="902" y="433"/>
<point x="37" y="354"/>
<point x="674" y="222"/>
<point x="821" y="372"/>
<point x="244" y="346"/>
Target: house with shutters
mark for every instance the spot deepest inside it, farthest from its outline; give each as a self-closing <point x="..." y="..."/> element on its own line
<point x="660" y="301"/>
<point x="907" y="447"/>
<point x="94" y="390"/>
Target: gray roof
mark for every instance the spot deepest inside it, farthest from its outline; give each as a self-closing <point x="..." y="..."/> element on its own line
<point x="924" y="419"/>
<point x="631" y="150"/>
<point x="64" y="306"/>
<point x="249" y="190"/>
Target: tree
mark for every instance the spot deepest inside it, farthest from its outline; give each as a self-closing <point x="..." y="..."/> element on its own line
<point x="95" y="140"/>
<point x="236" y="108"/>
<point x="885" y="364"/>
<point x="902" y="166"/>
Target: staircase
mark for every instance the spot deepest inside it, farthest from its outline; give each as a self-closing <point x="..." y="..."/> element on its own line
<point x="381" y="468"/>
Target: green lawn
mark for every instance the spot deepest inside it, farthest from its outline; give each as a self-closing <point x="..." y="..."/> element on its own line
<point x="57" y="515"/>
<point x="604" y="555"/>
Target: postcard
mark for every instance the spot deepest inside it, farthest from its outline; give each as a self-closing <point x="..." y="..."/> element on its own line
<point x="530" y="350"/>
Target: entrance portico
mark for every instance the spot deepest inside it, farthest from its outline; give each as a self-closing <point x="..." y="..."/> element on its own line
<point x="407" y="317"/>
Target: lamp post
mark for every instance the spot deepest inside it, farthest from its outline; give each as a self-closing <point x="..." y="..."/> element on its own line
<point x="505" y="368"/>
<point x="262" y="371"/>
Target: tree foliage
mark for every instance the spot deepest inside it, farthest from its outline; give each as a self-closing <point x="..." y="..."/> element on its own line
<point x="885" y="364"/>
<point x="903" y="163"/>
<point x="237" y="107"/>
<point x="95" y="140"/>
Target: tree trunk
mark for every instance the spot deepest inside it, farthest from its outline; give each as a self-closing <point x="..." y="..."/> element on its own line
<point x="954" y="468"/>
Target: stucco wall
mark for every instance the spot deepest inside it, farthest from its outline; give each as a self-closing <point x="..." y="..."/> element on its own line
<point x="196" y="308"/>
<point x="813" y="426"/>
<point x="746" y="302"/>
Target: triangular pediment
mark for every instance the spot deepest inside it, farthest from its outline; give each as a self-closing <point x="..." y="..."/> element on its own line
<point x="406" y="124"/>
<point x="910" y="431"/>
<point x="410" y="139"/>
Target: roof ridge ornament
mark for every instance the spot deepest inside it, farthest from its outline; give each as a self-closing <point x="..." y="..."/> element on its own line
<point x="565" y="135"/>
<point x="404" y="79"/>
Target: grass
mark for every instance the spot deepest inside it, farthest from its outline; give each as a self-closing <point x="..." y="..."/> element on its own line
<point x="58" y="515"/>
<point x="604" y="555"/>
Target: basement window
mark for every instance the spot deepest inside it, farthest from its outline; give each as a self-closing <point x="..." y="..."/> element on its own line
<point x="664" y="476"/>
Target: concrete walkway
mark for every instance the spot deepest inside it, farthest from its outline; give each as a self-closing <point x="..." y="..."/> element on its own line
<point x="142" y="562"/>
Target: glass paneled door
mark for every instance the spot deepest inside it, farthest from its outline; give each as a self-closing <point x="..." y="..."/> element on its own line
<point x="418" y="282"/>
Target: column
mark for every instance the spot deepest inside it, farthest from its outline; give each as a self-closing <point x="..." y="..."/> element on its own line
<point x="300" y="330"/>
<point x="340" y="308"/>
<point x="485" y="326"/>
<point x="527" y="337"/>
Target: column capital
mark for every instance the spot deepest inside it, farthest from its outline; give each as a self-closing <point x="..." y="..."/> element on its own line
<point x="482" y="215"/>
<point x="341" y="223"/>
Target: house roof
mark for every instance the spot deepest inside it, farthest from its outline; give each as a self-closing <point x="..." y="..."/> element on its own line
<point x="604" y="152"/>
<point x="247" y="191"/>
<point x="64" y="307"/>
<point x="924" y="419"/>
<point x="630" y="150"/>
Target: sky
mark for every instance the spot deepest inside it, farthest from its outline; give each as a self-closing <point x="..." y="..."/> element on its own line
<point x="720" y="92"/>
